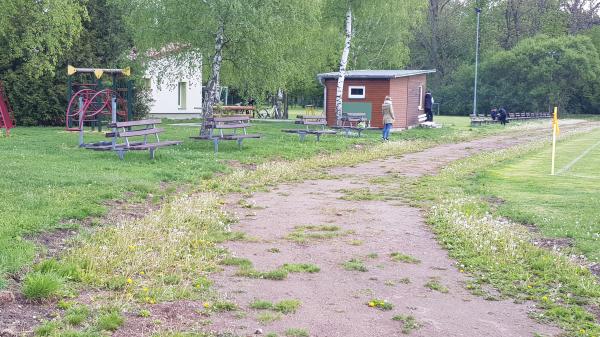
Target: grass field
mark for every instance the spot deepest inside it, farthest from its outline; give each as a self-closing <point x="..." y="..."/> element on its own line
<point x="563" y="206"/>
<point x="46" y="178"/>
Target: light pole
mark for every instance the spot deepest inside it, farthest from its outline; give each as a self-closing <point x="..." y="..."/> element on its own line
<point x="478" y="11"/>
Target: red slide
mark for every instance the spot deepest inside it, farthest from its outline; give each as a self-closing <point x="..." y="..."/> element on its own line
<point x="6" y="118"/>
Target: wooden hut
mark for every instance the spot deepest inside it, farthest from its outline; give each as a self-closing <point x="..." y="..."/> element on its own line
<point x="365" y="91"/>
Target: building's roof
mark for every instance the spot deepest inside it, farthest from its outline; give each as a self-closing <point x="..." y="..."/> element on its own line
<point x="375" y="74"/>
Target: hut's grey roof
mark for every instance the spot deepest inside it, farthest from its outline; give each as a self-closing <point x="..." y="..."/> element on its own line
<point x="375" y="74"/>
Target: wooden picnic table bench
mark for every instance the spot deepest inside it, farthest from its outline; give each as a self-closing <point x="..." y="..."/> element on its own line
<point x="126" y="130"/>
<point x="310" y="122"/>
<point x="350" y="122"/>
<point x="218" y="125"/>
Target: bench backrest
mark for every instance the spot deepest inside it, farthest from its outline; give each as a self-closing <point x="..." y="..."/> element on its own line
<point x="352" y="116"/>
<point x="144" y="127"/>
<point x="135" y="123"/>
<point x="312" y="120"/>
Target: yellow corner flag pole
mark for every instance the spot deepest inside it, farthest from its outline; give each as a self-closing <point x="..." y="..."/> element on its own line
<point x="555" y="132"/>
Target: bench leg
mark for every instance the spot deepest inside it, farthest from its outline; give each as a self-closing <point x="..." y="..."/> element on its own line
<point x="359" y="132"/>
<point x="302" y="135"/>
<point x="216" y="144"/>
<point x="152" y="153"/>
<point x="121" y="154"/>
<point x="318" y="137"/>
<point x="239" y="141"/>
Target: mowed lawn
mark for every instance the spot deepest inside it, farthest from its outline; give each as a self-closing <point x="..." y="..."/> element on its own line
<point x="566" y="205"/>
<point x="46" y="179"/>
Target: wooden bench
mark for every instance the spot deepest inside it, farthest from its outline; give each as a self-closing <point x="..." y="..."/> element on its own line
<point x="478" y="121"/>
<point x="217" y="126"/>
<point x="350" y="121"/>
<point x="311" y="122"/>
<point x="126" y="130"/>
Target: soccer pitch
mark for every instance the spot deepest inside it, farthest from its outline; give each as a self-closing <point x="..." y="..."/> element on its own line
<point x="566" y="205"/>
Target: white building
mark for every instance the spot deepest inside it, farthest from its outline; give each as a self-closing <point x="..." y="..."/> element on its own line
<point x="176" y="85"/>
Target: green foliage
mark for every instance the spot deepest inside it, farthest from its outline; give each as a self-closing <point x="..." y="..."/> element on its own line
<point x="355" y="264"/>
<point x="47" y="328"/>
<point x="34" y="34"/>
<point x="110" y="320"/>
<point x="77" y="315"/>
<point x="287" y="306"/>
<point x="39" y="286"/>
<point x="400" y="257"/>
<point x="409" y="323"/>
<point x="224" y="306"/>
<point x="434" y="284"/>
<point x="295" y="332"/>
<point x="261" y="305"/>
<point x="536" y="73"/>
<point x="301" y="268"/>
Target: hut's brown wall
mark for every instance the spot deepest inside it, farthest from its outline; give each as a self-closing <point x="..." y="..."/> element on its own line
<point x="398" y="92"/>
<point x="375" y="92"/>
<point x="414" y="98"/>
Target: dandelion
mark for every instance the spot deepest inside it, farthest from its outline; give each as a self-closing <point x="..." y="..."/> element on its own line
<point x="371" y="304"/>
<point x="142" y="273"/>
<point x="129" y="281"/>
<point x="206" y="305"/>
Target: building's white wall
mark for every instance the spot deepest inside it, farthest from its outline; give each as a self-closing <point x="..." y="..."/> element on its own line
<point x="165" y="99"/>
<point x="165" y="75"/>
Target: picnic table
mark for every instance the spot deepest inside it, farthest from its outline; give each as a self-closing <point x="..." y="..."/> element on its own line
<point x="226" y="128"/>
<point x="314" y="125"/>
<point x="126" y="130"/>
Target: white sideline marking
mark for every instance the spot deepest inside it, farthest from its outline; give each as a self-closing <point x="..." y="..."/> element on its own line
<point x="585" y="153"/>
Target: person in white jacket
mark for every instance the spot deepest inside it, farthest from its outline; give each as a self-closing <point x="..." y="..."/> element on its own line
<point x="387" y="110"/>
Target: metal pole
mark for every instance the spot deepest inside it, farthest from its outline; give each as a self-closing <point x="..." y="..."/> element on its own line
<point x="113" y="106"/>
<point x="478" y="11"/>
<point x="80" y="122"/>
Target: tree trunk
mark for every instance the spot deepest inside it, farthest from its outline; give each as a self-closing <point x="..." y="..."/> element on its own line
<point x="343" y="64"/>
<point x="213" y="92"/>
<point x="278" y="103"/>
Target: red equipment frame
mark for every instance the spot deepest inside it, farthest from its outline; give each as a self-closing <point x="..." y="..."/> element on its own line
<point x="7" y="120"/>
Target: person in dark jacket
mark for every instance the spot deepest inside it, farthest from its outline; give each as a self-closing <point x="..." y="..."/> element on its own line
<point x="428" y="106"/>
<point x="494" y="113"/>
<point x="502" y="116"/>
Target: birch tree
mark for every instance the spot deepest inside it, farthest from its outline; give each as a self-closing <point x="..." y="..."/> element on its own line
<point x="376" y="35"/>
<point x="239" y="39"/>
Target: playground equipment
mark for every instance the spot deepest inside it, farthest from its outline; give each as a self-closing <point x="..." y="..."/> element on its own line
<point x="7" y="120"/>
<point x="90" y="101"/>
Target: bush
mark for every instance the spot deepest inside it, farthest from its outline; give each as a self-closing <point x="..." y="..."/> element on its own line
<point x="110" y="321"/>
<point x="38" y="286"/>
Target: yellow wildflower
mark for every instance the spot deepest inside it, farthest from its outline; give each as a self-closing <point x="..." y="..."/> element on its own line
<point x="206" y="305"/>
<point x="372" y="304"/>
<point x="129" y="281"/>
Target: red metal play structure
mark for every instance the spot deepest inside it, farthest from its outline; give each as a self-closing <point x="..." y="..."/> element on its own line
<point x="91" y="102"/>
<point x="7" y="120"/>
